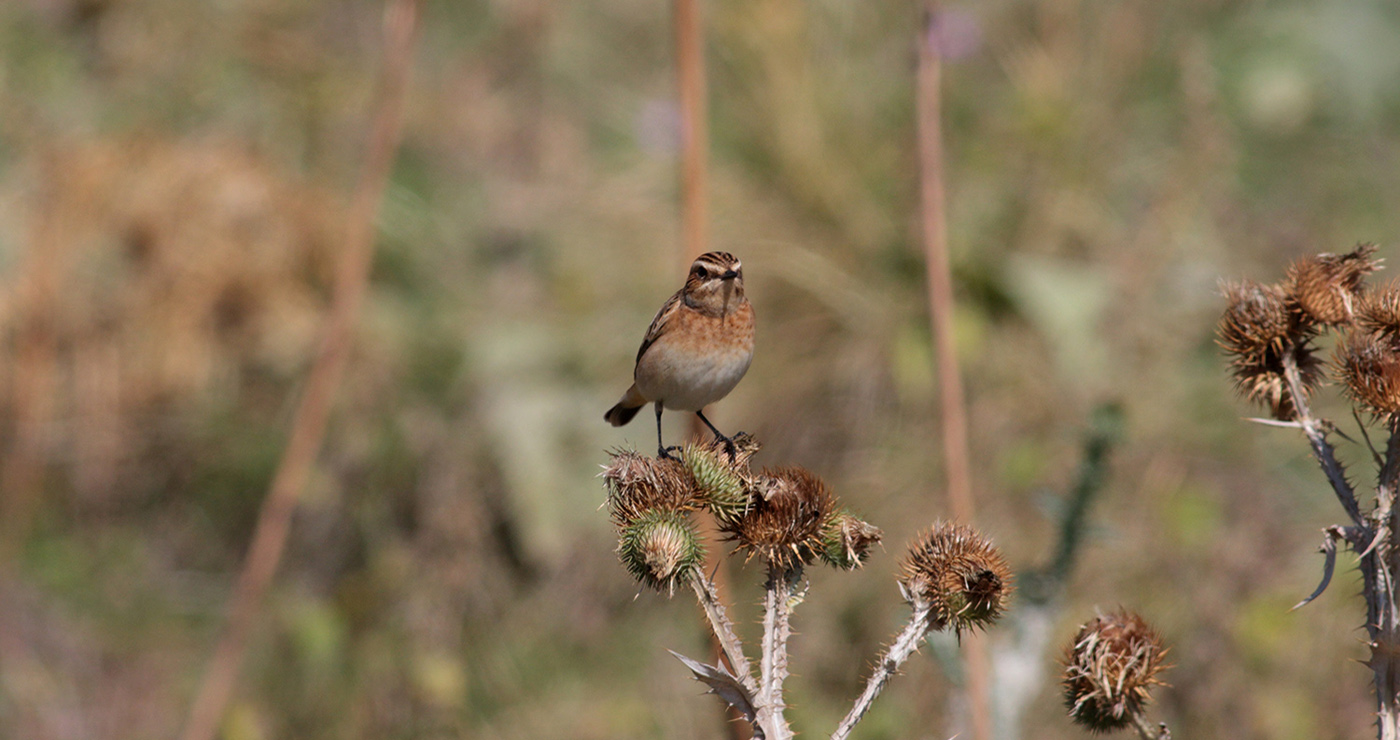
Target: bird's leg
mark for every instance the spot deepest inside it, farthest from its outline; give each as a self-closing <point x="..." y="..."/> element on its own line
<point x="728" y="443"/>
<point x="662" y="451"/>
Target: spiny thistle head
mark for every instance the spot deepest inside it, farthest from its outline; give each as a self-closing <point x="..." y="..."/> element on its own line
<point x="1257" y="331"/>
<point x="1110" y="670"/>
<point x="1369" y="370"/>
<point x="784" y="525"/>
<point x="721" y="484"/>
<point x="637" y="484"/>
<point x="959" y="573"/>
<point x="847" y="540"/>
<point x="1379" y="313"/>
<point x="660" y="549"/>
<point x="1327" y="287"/>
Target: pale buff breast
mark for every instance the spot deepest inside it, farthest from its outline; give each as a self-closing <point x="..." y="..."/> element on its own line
<point x="698" y="361"/>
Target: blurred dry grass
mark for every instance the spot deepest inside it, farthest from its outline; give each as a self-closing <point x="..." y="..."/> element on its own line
<point x="170" y="171"/>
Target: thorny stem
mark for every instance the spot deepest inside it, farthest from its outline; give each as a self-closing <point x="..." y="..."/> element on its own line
<point x="1378" y="569"/>
<point x="778" y="601"/>
<point x="1381" y="561"/>
<point x="1148" y="731"/>
<point x="724" y="630"/>
<point x="899" y="651"/>
<point x="1322" y="449"/>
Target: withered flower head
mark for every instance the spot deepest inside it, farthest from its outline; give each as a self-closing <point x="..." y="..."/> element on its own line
<point x="1369" y="370"/>
<point x="1110" y="670"/>
<point x="637" y="484"/>
<point x="660" y="548"/>
<point x="959" y="573"/>
<point x="1379" y="313"/>
<point x="784" y="524"/>
<point x="1258" y="331"/>
<point x="722" y="484"/>
<point x="1327" y="287"/>
<point x="847" y="540"/>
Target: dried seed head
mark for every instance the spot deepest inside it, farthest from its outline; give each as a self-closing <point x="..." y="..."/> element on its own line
<point x="1369" y="370"/>
<point x="661" y="549"/>
<point x="784" y="525"/>
<point x="1379" y="313"/>
<point x="959" y="573"/>
<point x="1110" y="670"/>
<point x="744" y="448"/>
<point x="1327" y="287"/>
<point x="847" y="540"/>
<point x="638" y="484"/>
<point x="721" y="484"/>
<point x="1258" y="331"/>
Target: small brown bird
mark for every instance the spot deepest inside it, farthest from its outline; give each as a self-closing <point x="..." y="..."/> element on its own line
<point x="697" y="349"/>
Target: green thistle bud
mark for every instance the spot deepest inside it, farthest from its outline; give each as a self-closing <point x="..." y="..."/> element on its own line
<point x="661" y="549"/>
<point x="847" y="539"/>
<point x="719" y="484"/>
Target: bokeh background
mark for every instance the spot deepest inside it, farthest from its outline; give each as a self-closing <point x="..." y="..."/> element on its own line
<point x="172" y="178"/>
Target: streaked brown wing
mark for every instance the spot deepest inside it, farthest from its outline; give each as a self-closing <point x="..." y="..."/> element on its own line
<point x="658" y="324"/>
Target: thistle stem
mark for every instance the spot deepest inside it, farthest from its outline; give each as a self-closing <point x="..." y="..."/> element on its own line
<point x="1317" y="437"/>
<point x="1378" y="571"/>
<point x="904" y="645"/>
<point x="708" y="597"/>
<point x="777" y="628"/>
<point x="1148" y="731"/>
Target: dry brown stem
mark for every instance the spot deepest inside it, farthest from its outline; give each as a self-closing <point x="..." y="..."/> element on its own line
<point x="1373" y="537"/>
<point x="309" y="423"/>
<point x="1317" y="437"/>
<point x="941" y="306"/>
<point x="695" y="130"/>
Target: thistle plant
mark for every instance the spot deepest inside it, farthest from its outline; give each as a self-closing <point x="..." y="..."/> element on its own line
<point x="1111" y="667"/>
<point x="787" y="519"/>
<point x="1270" y="333"/>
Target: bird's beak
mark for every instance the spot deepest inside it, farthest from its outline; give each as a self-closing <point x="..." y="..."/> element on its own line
<point x="729" y="275"/>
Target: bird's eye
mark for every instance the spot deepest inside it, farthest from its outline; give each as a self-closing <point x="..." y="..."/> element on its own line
<point x="701" y="273"/>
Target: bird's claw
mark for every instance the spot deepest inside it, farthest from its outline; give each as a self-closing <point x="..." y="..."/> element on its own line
<point x="664" y="453"/>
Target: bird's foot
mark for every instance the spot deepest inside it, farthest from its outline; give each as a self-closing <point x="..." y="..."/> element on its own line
<point x="664" y="453"/>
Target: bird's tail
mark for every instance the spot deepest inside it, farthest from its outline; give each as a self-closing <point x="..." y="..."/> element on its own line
<point x="632" y="402"/>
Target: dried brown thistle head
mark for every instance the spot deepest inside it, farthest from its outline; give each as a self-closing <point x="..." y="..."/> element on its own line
<point x="1379" y="314"/>
<point x="1369" y="370"/>
<point x="785" y="523"/>
<point x="638" y="484"/>
<point x="1258" y="331"/>
<point x="1326" y="288"/>
<point x="959" y="573"/>
<point x="1110" y="670"/>
<point x="660" y="549"/>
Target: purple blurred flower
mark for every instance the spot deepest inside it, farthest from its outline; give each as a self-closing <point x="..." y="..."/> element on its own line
<point x="955" y="34"/>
